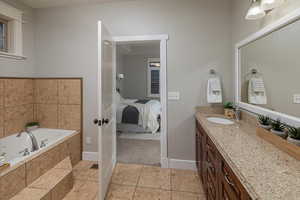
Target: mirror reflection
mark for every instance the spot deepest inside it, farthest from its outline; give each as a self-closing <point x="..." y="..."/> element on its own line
<point x="270" y="71"/>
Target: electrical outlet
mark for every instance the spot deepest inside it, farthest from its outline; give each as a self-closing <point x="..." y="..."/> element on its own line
<point x="296" y="98"/>
<point x="173" y="95"/>
<point x="88" y="140"/>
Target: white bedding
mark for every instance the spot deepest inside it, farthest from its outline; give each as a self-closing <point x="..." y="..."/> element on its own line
<point x="148" y="113"/>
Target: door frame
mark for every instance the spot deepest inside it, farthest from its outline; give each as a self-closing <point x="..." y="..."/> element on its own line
<point x="163" y="87"/>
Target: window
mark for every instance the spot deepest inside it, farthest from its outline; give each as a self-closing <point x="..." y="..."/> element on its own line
<point x="3" y="35"/>
<point x="11" y="35"/>
<point x="153" y="77"/>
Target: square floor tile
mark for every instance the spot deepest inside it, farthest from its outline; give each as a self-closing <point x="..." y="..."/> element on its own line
<point x="151" y="194"/>
<point x="88" y="191"/>
<point x="187" y="196"/>
<point x="120" y="192"/>
<point x="125" y="174"/>
<point x="155" y="177"/>
<point x="185" y="181"/>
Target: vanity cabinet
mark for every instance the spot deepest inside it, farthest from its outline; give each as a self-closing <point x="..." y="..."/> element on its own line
<point x="219" y="181"/>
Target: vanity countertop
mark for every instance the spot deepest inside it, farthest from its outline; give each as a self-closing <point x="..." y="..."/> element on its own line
<point x="266" y="172"/>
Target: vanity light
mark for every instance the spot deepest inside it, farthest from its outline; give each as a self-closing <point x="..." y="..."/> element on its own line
<point x="270" y="4"/>
<point x="255" y="11"/>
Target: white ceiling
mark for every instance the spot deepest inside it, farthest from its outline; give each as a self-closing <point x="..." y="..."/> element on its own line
<point x="56" y="3"/>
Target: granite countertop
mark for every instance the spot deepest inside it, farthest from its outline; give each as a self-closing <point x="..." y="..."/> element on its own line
<point x="266" y="172"/>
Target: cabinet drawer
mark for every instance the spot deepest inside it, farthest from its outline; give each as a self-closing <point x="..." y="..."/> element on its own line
<point x="200" y="129"/>
<point x="211" y="149"/>
<point x="211" y="186"/>
<point x="231" y="185"/>
<point x="211" y="165"/>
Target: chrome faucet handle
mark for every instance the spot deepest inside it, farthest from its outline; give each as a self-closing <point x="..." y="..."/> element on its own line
<point x="43" y="143"/>
<point x="25" y="152"/>
<point x="237" y="114"/>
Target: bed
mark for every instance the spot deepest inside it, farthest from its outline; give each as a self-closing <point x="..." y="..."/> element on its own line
<point x="138" y="115"/>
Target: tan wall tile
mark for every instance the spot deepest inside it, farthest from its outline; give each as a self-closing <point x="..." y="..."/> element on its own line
<point x="46" y="91"/>
<point x="69" y="117"/>
<point x="31" y="194"/>
<point x="18" y="92"/>
<point x="28" y="91"/>
<point x="47" y="115"/>
<point x="12" y="183"/>
<point x="62" y="188"/>
<point x="1" y="93"/>
<point x="1" y="122"/>
<point x="69" y="91"/>
<point x="13" y="92"/>
<point x="75" y="149"/>
<point x="15" y="118"/>
<point x="44" y="162"/>
<point x="33" y="170"/>
<point x="50" y="179"/>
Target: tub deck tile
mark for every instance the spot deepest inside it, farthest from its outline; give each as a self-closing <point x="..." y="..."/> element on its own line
<point x="32" y="194"/>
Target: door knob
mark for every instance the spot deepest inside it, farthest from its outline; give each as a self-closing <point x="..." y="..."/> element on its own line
<point x="97" y="122"/>
<point x="105" y="121"/>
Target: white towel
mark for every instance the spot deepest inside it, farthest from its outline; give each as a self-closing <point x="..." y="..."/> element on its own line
<point x="257" y="92"/>
<point x="214" y="90"/>
<point x="258" y="85"/>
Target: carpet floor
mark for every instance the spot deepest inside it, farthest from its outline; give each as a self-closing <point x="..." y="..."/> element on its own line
<point x="146" y="152"/>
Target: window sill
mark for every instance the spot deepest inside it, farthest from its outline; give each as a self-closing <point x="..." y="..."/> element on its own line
<point x="11" y="56"/>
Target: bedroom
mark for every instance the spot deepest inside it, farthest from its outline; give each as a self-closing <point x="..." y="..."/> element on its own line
<point x="138" y="107"/>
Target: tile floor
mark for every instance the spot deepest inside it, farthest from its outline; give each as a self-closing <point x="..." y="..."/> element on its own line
<point x="137" y="182"/>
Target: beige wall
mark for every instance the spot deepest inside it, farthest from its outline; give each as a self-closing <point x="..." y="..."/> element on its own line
<point x="199" y="30"/>
<point x="9" y="67"/>
<point x="136" y="71"/>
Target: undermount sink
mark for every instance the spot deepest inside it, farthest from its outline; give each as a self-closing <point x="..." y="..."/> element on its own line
<point x="220" y="120"/>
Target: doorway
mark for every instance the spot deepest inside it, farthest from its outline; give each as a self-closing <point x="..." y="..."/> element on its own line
<point x="141" y="91"/>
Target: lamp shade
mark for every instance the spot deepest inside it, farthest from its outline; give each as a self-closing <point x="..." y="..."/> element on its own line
<point x="255" y="11"/>
<point x="270" y="4"/>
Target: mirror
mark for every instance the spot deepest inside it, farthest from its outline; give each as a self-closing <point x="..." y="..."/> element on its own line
<point x="269" y="70"/>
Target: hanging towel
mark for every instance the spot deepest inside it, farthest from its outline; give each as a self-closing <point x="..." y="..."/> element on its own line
<point x="214" y="90"/>
<point x="257" y="92"/>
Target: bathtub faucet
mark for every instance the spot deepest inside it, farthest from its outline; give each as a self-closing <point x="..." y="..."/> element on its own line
<point x="35" y="145"/>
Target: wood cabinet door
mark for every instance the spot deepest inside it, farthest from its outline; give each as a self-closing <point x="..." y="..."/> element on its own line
<point x="219" y="181"/>
<point x="200" y="141"/>
<point x="230" y="187"/>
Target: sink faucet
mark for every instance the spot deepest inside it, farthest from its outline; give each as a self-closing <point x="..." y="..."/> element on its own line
<point x="237" y="114"/>
<point x="35" y="145"/>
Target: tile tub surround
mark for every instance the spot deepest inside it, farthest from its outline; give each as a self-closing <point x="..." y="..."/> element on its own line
<point x="54" y="102"/>
<point x="265" y="171"/>
<point x="54" y="185"/>
<point x="16" y="178"/>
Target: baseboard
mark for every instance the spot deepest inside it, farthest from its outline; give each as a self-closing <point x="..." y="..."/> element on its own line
<point x="91" y="156"/>
<point x="182" y="164"/>
<point x="164" y="162"/>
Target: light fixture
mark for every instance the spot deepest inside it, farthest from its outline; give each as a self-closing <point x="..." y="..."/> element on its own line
<point x="270" y="4"/>
<point x="120" y="76"/>
<point x="255" y="11"/>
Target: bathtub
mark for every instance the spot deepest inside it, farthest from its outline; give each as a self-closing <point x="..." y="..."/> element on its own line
<point x="14" y="146"/>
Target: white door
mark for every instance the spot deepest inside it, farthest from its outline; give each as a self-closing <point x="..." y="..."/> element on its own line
<point x="105" y="102"/>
